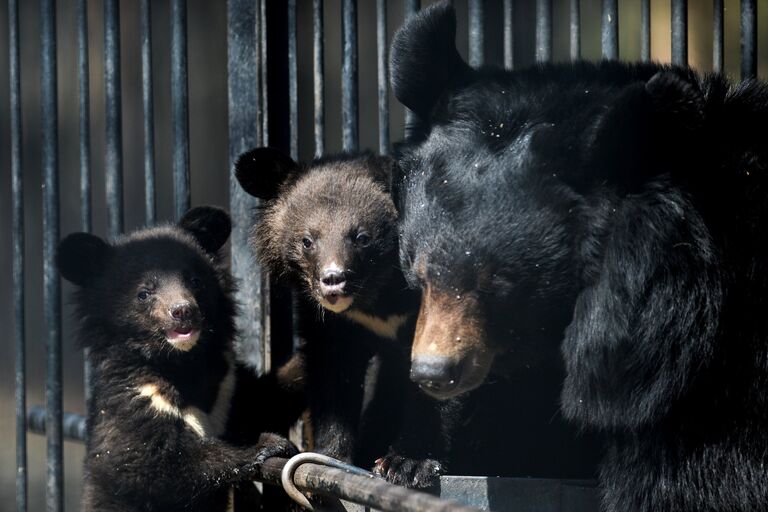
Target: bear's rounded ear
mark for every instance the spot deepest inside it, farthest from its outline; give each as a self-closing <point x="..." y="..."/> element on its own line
<point x="81" y="256"/>
<point x="648" y="123"/>
<point x="424" y="58"/>
<point x="209" y="225"/>
<point x="261" y="171"/>
<point x="384" y="169"/>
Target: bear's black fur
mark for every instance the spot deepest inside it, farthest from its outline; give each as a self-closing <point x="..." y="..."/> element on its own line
<point x="329" y="230"/>
<point x="157" y="313"/>
<point x="616" y="213"/>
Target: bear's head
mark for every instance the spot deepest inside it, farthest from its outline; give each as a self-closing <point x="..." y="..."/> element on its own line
<point x="519" y="193"/>
<point x="157" y="291"/>
<point x="328" y="227"/>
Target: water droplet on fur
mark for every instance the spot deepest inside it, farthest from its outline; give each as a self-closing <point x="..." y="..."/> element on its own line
<point x="458" y="296"/>
<point x="477" y="165"/>
<point x="458" y="338"/>
<point x="451" y="382"/>
<point x="467" y="252"/>
<point x="501" y="125"/>
<point x="445" y="181"/>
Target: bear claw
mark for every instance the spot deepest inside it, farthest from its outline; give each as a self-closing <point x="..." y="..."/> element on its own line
<point x="415" y="473"/>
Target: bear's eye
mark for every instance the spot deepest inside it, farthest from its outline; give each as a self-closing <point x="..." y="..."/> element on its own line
<point x="195" y="283"/>
<point x="363" y="239"/>
<point x="143" y="295"/>
<point x="307" y="242"/>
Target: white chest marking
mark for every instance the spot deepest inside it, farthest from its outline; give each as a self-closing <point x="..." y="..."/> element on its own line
<point x="385" y="328"/>
<point x="203" y="424"/>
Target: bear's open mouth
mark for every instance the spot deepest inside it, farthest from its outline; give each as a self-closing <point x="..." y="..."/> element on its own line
<point x="182" y="338"/>
<point x="336" y="302"/>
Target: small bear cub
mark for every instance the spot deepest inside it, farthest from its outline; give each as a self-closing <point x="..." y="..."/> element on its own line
<point x="156" y="310"/>
<point x="328" y="229"/>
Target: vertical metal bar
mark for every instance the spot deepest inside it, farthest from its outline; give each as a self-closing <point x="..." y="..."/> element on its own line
<point x="748" y="39"/>
<point x="680" y="32"/>
<point x="575" y="29"/>
<point x="243" y="41"/>
<point x="51" y="284"/>
<point x="610" y="29"/>
<point x="509" y="39"/>
<point x="84" y="113"/>
<point x="262" y="35"/>
<point x="383" y="75"/>
<point x="113" y="161"/>
<point x="349" y="93"/>
<point x="148" y="104"/>
<point x="411" y="8"/>
<point x="543" y="30"/>
<point x="476" y="33"/>
<point x="645" y="30"/>
<point x="180" y="107"/>
<point x="318" y="47"/>
<point x="17" y="229"/>
<point x="293" y="99"/>
<point x="85" y="154"/>
<point x="718" y="30"/>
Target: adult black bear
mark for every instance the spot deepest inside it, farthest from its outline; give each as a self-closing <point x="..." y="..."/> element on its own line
<point x="157" y="313"/>
<point x="617" y="213"/>
<point x="329" y="230"/>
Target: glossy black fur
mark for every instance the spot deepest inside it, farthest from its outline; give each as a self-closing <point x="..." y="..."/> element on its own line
<point x="614" y="214"/>
<point x="138" y="456"/>
<point x="357" y="379"/>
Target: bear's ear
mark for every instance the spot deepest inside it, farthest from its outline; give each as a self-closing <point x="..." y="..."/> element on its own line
<point x="424" y="59"/>
<point x="649" y="123"/>
<point x="384" y="169"/>
<point x="261" y="171"/>
<point x="81" y="256"/>
<point x="209" y="225"/>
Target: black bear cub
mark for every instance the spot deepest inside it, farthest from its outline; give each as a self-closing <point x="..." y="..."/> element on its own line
<point x="157" y="313"/>
<point x="329" y="230"/>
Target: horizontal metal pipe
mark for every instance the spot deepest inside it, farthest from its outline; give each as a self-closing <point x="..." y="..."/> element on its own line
<point x="74" y="425"/>
<point x="364" y="490"/>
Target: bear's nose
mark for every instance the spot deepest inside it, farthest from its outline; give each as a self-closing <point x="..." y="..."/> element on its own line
<point x="438" y="374"/>
<point x="181" y="311"/>
<point x="333" y="278"/>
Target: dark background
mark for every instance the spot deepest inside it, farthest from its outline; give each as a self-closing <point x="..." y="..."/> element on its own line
<point x="208" y="134"/>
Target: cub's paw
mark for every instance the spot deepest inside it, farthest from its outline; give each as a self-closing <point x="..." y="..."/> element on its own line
<point x="273" y="445"/>
<point x="416" y="473"/>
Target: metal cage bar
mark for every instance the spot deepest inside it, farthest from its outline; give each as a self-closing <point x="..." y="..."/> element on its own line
<point x="645" y="30"/>
<point x="382" y="76"/>
<point x="543" y="30"/>
<point x="509" y="34"/>
<point x="349" y="93"/>
<point x="680" y="32"/>
<point x="411" y="8"/>
<point x="49" y="149"/>
<point x="748" y="39"/>
<point x="148" y="105"/>
<point x="318" y="76"/>
<point x="718" y="33"/>
<point x="180" y="108"/>
<point x="575" y="29"/>
<point x="293" y="94"/>
<point x="17" y="233"/>
<point x="113" y="160"/>
<point x="609" y="30"/>
<point x="476" y="33"/>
